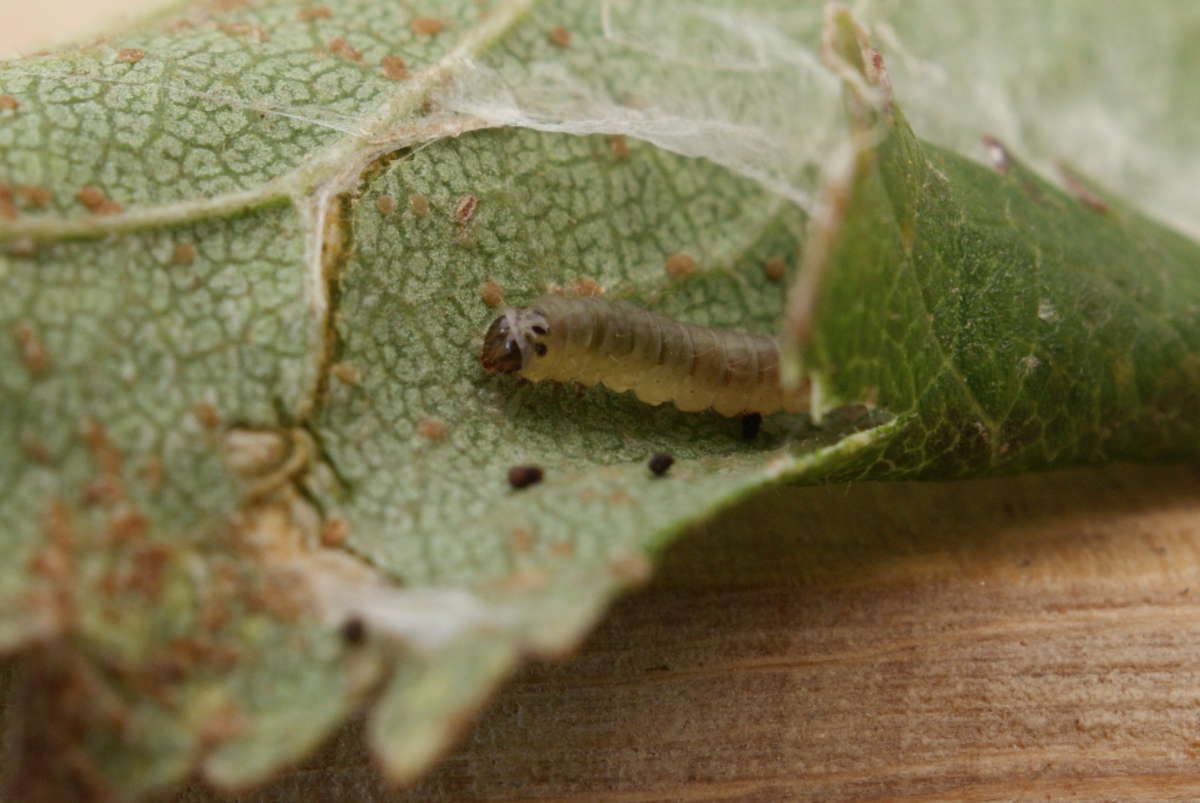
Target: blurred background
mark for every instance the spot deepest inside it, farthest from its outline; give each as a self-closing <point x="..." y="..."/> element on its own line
<point x="25" y="27"/>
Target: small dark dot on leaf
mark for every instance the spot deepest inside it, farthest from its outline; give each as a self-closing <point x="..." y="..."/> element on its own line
<point x="751" y="423"/>
<point x="524" y="476"/>
<point x="354" y="631"/>
<point x="660" y="463"/>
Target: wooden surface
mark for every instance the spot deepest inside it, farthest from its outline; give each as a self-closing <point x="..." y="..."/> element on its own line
<point x="1029" y="638"/>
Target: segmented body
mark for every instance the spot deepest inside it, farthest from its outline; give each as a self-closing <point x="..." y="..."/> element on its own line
<point x="624" y="347"/>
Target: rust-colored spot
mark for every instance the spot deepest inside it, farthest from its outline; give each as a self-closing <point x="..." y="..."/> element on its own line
<point x="104" y="453"/>
<point x="618" y="146"/>
<point x="334" y="532"/>
<point x="33" y="353"/>
<point x="340" y="47"/>
<point x="228" y="5"/>
<point x="8" y="209"/>
<point x="394" y="67"/>
<point x="465" y="208"/>
<point x="8" y="103"/>
<point x="314" y="13"/>
<point x="426" y="26"/>
<point x="152" y="473"/>
<point x="36" y="451"/>
<point x="184" y="254"/>
<point x="520" y="539"/>
<point x="130" y="55"/>
<point x="775" y="267"/>
<point x="346" y="373"/>
<point x="418" y="205"/>
<point x="563" y="548"/>
<point x="127" y="526"/>
<point x="679" y="264"/>
<point x="386" y="204"/>
<point x="206" y="414"/>
<point x="35" y="196"/>
<point x="96" y="201"/>
<point x="558" y="35"/>
<point x="244" y="29"/>
<point x="147" y="567"/>
<point x="431" y="428"/>
<point x="587" y="287"/>
<point x="491" y="294"/>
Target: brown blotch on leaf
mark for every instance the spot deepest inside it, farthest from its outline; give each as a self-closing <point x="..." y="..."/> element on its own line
<point x="184" y="254"/>
<point x="36" y="451"/>
<point x="679" y="264"/>
<point x="775" y="267"/>
<point x="558" y="35"/>
<point x="431" y="429"/>
<point x="33" y="353"/>
<point x="206" y="414"/>
<point x="130" y="55"/>
<point x="465" y="209"/>
<point x="35" y="196"/>
<point x="96" y="201"/>
<point x="8" y="103"/>
<point x="334" y="533"/>
<point x="346" y="373"/>
<point x="126" y="527"/>
<point x="618" y="146"/>
<point x="8" y="210"/>
<point x="418" y="205"/>
<point x="394" y="67"/>
<point x="587" y="287"/>
<point x="520" y="539"/>
<point x="491" y="294"/>
<point x="102" y="450"/>
<point x="426" y="26"/>
<point x="340" y="47"/>
<point x="386" y="204"/>
<point x="523" y="476"/>
<point x="314" y="13"/>
<point x="253" y="32"/>
<point x="563" y="548"/>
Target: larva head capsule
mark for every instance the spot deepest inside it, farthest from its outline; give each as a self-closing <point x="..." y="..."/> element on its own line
<point x="513" y="339"/>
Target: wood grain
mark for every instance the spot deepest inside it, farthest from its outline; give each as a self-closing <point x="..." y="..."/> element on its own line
<point x="1031" y="637"/>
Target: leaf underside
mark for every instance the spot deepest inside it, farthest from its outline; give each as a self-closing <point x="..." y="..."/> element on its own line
<point x="254" y="474"/>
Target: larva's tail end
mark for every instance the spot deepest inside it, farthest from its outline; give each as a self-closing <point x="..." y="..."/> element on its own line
<point x="501" y="350"/>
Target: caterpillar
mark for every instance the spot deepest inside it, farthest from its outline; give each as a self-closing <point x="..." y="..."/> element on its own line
<point x="624" y="347"/>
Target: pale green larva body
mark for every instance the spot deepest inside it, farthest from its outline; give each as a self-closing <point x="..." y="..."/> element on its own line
<point x="624" y="347"/>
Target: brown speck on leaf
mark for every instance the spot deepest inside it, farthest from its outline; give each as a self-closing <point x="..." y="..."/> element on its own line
<point x="104" y="454"/>
<point x="206" y="414"/>
<point x="618" y="146"/>
<point x="130" y="55"/>
<point x="563" y="548"/>
<point x="386" y="204"/>
<point x="465" y="208"/>
<point x="35" y="196"/>
<point x="1082" y="193"/>
<point x="587" y="287"/>
<point x="491" y="294"/>
<point x="558" y="35"/>
<point x="96" y="201"/>
<point x="520" y="539"/>
<point x="632" y="568"/>
<point x="8" y="103"/>
<point x="523" y="476"/>
<point x="126" y="527"/>
<point x="431" y="429"/>
<point x="680" y="264"/>
<point x="314" y="13"/>
<point x="334" y="533"/>
<point x="354" y="631"/>
<point x="346" y="373"/>
<point x="36" y="451"/>
<point x="340" y="47"/>
<point x="147" y="567"/>
<point x="394" y="67"/>
<point x="152" y="473"/>
<point x="184" y="254"/>
<point x="228" y="5"/>
<point x="253" y="32"/>
<point x="751" y="424"/>
<point x="426" y="26"/>
<point x="33" y="353"/>
<point x="775" y="267"/>
<point x="8" y="209"/>
<point x="418" y="205"/>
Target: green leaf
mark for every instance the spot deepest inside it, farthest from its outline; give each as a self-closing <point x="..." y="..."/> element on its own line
<point x="1014" y="325"/>
<point x="254" y="471"/>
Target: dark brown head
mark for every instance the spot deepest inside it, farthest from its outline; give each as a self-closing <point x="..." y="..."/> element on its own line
<point x="512" y="340"/>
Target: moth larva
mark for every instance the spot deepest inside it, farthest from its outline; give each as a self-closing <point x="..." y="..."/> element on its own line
<point x="595" y="341"/>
